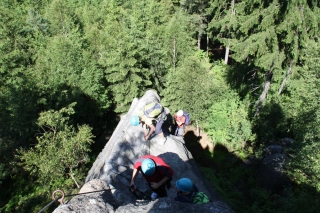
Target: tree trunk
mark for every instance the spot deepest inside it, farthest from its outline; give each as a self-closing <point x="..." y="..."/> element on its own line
<point x="265" y="91"/>
<point x="233" y="12"/>
<point x="200" y="33"/>
<point x="226" y="56"/>
<point x="198" y="129"/>
<point x="207" y="45"/>
<point x="285" y="78"/>
<point x="174" y="55"/>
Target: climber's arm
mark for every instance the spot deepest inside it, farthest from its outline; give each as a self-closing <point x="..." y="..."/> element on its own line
<point x="134" y="174"/>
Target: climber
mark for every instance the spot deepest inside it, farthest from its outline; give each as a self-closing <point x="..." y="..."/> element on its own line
<point x="185" y="190"/>
<point x="180" y="120"/>
<point x="152" y="117"/>
<point x="156" y="172"/>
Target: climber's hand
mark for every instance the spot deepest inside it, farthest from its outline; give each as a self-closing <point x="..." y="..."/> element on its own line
<point x="154" y="185"/>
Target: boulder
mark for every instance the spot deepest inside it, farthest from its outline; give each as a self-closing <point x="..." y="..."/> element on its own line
<point x="271" y="174"/>
<point x="272" y="149"/>
<point x="286" y="142"/>
<point x="112" y="170"/>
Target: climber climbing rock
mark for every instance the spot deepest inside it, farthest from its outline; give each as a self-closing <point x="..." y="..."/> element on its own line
<point x="152" y="117"/>
<point x="157" y="173"/>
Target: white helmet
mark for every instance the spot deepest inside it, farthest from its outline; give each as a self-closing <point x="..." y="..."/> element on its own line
<point x="179" y="113"/>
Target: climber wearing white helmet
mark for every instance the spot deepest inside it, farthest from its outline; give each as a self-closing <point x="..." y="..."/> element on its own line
<point x="180" y="120"/>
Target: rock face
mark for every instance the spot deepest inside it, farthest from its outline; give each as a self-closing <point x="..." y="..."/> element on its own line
<point x="112" y="170"/>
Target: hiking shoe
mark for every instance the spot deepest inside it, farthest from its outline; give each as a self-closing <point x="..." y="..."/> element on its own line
<point x="154" y="196"/>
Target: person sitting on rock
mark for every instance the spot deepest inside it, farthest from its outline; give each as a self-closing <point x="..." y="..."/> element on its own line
<point x="185" y="190"/>
<point x="157" y="173"/>
<point x="180" y="122"/>
<point x="152" y="117"/>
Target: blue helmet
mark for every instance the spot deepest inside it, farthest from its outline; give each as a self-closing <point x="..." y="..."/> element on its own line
<point x="148" y="166"/>
<point x="135" y="120"/>
<point x="184" y="184"/>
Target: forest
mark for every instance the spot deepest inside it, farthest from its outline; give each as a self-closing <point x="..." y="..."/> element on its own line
<point x="247" y="71"/>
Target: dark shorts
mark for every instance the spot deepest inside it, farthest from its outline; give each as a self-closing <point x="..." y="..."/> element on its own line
<point x="158" y="127"/>
<point x="179" y="131"/>
<point x="161" y="190"/>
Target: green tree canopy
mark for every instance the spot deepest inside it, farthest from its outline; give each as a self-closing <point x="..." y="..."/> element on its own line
<point x="194" y="96"/>
<point x="268" y="35"/>
<point x="60" y="150"/>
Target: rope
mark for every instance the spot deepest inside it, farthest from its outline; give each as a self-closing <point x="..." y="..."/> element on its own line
<point x="148" y="141"/>
<point x="148" y="146"/>
<point x="94" y="191"/>
<point x="49" y="204"/>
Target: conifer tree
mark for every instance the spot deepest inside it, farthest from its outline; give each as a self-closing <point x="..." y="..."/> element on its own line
<point x="304" y="107"/>
<point x="135" y="52"/>
<point x="179" y="40"/>
<point x="268" y="35"/>
<point x="194" y="97"/>
<point x="122" y="55"/>
<point x="224" y="24"/>
<point x="17" y="96"/>
<point x="197" y="10"/>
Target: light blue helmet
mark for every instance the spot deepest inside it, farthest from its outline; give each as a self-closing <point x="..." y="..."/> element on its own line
<point x="135" y="120"/>
<point x="184" y="184"/>
<point x="148" y="166"/>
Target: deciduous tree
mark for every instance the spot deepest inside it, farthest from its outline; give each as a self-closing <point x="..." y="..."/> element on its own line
<point x="61" y="149"/>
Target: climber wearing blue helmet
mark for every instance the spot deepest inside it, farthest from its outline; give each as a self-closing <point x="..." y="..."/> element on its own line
<point x="184" y="185"/>
<point x="152" y="117"/>
<point x="148" y="167"/>
<point x="135" y="120"/>
<point x="156" y="172"/>
<point x="185" y="190"/>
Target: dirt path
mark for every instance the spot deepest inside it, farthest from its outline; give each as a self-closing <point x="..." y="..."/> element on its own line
<point x="202" y="139"/>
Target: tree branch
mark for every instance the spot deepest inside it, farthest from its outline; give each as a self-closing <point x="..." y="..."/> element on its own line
<point x="75" y="181"/>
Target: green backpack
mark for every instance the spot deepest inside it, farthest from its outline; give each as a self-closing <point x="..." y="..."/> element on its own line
<point x="200" y="198"/>
<point x="154" y="110"/>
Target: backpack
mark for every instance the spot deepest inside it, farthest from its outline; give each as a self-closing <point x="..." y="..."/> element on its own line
<point x="154" y="110"/>
<point x="200" y="198"/>
<point x="187" y="116"/>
